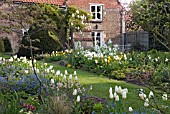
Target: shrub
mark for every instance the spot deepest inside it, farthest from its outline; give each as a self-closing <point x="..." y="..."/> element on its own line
<point x="2" y="49"/>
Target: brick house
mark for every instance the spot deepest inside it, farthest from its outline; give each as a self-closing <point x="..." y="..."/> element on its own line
<point x="106" y="22"/>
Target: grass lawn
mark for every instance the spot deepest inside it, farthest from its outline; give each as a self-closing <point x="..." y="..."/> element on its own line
<point x="102" y="84"/>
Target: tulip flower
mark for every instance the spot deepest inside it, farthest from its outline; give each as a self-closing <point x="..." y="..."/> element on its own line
<point x="70" y="76"/>
<point x="124" y="96"/>
<point x="76" y="78"/>
<point x="110" y="90"/>
<point x="117" y="98"/>
<point x="52" y="81"/>
<point x="111" y="95"/>
<point x="146" y="103"/>
<point x="165" y="97"/>
<point x="75" y="92"/>
<point x="78" y="98"/>
<point x="75" y="73"/>
<point x="151" y="95"/>
<point x="130" y="109"/>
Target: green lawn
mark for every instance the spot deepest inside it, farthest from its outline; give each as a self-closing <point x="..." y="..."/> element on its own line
<point x="102" y="84"/>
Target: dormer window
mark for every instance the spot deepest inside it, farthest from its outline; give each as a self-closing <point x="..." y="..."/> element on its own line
<point x="96" y="11"/>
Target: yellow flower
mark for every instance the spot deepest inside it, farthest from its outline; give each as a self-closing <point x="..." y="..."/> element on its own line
<point x="68" y="65"/>
<point x="108" y="59"/>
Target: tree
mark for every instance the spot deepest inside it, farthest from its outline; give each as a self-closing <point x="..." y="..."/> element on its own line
<point x="40" y="17"/>
<point x="152" y="16"/>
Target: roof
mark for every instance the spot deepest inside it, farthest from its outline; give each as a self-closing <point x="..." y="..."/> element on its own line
<point x="108" y="4"/>
<point x="56" y="2"/>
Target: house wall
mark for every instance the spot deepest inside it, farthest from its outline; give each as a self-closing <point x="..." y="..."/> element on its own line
<point x="110" y="26"/>
<point x="13" y="36"/>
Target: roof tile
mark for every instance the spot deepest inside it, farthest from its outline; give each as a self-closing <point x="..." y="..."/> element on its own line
<point x="57" y="2"/>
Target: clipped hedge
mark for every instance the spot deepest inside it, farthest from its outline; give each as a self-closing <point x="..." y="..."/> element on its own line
<point x="44" y="44"/>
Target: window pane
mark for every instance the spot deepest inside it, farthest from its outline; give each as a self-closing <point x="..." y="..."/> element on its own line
<point x="98" y="16"/>
<point x="92" y="34"/>
<point x="92" y="8"/>
<point x="98" y="34"/>
<point x="99" y="8"/>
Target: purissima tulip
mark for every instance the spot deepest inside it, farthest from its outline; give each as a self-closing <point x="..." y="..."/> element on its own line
<point x="124" y="96"/>
<point x="78" y="98"/>
<point x="75" y="92"/>
<point x="76" y="78"/>
<point x="130" y="109"/>
<point x="70" y="76"/>
<point x="165" y="97"/>
<point x="75" y="73"/>
<point x="117" y="98"/>
<point x="146" y="103"/>
<point x="111" y="95"/>
<point x="110" y="90"/>
<point x="52" y="81"/>
<point x="151" y="95"/>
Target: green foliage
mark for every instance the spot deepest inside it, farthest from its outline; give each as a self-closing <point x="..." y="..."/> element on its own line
<point x="152" y="16"/>
<point x="2" y="49"/>
<point x="58" y="105"/>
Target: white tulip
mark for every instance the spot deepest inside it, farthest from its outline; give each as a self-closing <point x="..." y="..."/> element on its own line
<point x="51" y="67"/>
<point x="75" y="73"/>
<point x="15" y="56"/>
<point x="111" y="95"/>
<point x="64" y="77"/>
<point x="78" y="98"/>
<point x="110" y="90"/>
<point x="130" y="109"/>
<point x="151" y="95"/>
<point x="124" y="96"/>
<point x="116" y="89"/>
<point x="75" y="92"/>
<point x="117" y="98"/>
<point x="57" y="73"/>
<point x="115" y="94"/>
<point x="70" y="76"/>
<point x="26" y="71"/>
<point x="165" y="97"/>
<point x="142" y="95"/>
<point x="146" y="103"/>
<point x="52" y="81"/>
<point x="76" y="78"/>
<point x="66" y="73"/>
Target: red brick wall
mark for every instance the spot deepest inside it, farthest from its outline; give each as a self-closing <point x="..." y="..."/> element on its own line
<point x="111" y="18"/>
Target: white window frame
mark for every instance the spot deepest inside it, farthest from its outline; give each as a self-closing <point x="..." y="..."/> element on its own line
<point x="101" y="11"/>
<point x="95" y="38"/>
